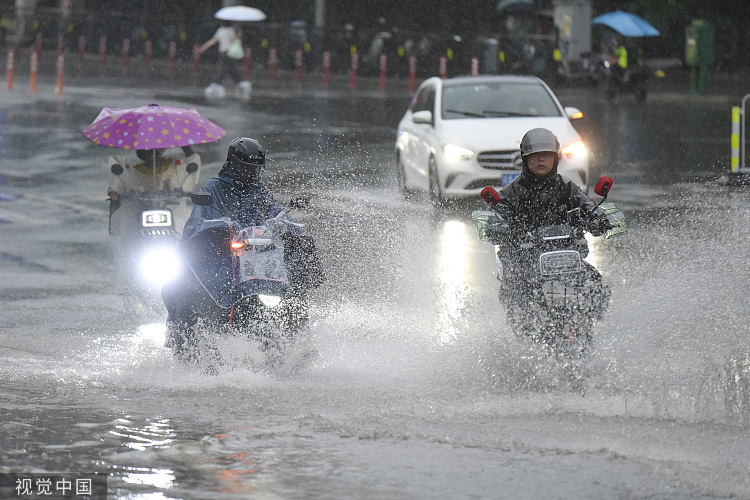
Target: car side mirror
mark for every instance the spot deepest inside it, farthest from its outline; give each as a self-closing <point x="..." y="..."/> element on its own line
<point x="423" y="116"/>
<point x="202" y="199"/>
<point x="573" y="113"/>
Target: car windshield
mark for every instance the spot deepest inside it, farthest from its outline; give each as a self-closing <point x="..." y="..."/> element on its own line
<point x="497" y="99"/>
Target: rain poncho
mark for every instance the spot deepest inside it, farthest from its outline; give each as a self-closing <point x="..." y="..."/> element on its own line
<point x="246" y="206"/>
<point x="531" y="202"/>
<point x="205" y="248"/>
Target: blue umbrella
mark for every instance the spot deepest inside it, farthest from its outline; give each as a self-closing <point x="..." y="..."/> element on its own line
<point x="627" y="24"/>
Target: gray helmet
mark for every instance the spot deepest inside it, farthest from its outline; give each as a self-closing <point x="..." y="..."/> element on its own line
<point x="246" y="159"/>
<point x="537" y="140"/>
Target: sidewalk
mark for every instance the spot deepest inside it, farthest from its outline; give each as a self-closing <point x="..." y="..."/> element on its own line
<point x="186" y="82"/>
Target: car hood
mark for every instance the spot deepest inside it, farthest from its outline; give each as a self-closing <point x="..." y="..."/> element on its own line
<point x="494" y="134"/>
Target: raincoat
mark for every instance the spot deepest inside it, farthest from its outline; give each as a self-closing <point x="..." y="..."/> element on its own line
<point x="205" y="249"/>
<point x="530" y="202"/>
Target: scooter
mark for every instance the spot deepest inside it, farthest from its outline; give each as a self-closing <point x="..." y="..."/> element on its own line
<point x="243" y="282"/>
<point x="146" y="225"/>
<point x="551" y="295"/>
<point x="145" y="233"/>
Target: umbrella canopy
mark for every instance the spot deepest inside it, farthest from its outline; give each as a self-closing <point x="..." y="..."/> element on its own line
<point x="239" y="13"/>
<point x="515" y="6"/>
<point x="626" y="24"/>
<point x="151" y="127"/>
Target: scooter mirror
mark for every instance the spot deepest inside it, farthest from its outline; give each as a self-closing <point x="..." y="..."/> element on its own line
<point x="490" y="195"/>
<point x="300" y="202"/>
<point x="202" y="199"/>
<point x="603" y="186"/>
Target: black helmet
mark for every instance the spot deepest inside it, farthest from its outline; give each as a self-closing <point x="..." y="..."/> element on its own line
<point x="537" y="140"/>
<point x="246" y="159"/>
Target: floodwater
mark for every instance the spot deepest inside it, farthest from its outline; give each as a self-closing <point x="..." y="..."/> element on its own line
<point x="409" y="383"/>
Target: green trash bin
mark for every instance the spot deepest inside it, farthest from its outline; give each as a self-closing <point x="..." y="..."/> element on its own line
<point x="699" y="53"/>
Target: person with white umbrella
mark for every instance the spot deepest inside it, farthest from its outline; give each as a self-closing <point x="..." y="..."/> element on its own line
<point x="230" y="48"/>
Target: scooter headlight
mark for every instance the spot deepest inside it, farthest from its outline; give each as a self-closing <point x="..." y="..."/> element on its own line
<point x="156" y="218"/>
<point x="270" y="300"/>
<point x="160" y="265"/>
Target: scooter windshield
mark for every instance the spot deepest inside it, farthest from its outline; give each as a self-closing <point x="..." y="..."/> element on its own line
<point x="262" y="256"/>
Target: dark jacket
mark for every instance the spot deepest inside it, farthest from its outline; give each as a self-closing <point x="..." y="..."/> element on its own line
<point x="530" y="202"/>
<point x="247" y="207"/>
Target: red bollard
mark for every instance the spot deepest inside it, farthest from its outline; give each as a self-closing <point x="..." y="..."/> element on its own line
<point x="474" y="66"/>
<point x="383" y="61"/>
<point x="81" y="50"/>
<point x="248" y="62"/>
<point x="125" y="55"/>
<point x="149" y="52"/>
<point x="60" y="68"/>
<point x="443" y="66"/>
<point x="355" y="68"/>
<point x="412" y="73"/>
<point x="298" y="66"/>
<point x="9" y="68"/>
<point x="272" y="64"/>
<point x="326" y="67"/>
<point x="34" y="66"/>
<point x="172" y="58"/>
<point x="103" y="50"/>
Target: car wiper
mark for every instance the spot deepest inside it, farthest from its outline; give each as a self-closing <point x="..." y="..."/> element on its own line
<point x="465" y="113"/>
<point x="505" y="113"/>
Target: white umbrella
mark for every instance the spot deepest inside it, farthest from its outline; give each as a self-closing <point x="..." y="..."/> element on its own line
<point x="239" y="13"/>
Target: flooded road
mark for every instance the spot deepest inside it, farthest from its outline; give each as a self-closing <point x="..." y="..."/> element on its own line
<point x="418" y="389"/>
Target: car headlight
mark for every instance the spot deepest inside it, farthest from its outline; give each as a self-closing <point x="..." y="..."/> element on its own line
<point x="453" y="152"/>
<point x="575" y="150"/>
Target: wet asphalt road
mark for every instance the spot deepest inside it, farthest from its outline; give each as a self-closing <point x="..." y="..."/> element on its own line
<point x="417" y="368"/>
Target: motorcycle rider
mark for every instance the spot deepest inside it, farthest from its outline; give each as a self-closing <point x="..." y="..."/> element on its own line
<point x="238" y="191"/>
<point x="538" y="197"/>
<point x="154" y="173"/>
<point x="239" y="194"/>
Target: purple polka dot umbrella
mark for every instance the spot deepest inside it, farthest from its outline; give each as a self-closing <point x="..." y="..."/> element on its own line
<point x="151" y="127"/>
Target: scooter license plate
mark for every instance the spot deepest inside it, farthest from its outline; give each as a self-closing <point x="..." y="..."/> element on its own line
<point x="508" y="178"/>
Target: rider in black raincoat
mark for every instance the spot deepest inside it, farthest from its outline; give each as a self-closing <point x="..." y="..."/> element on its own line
<point x="238" y="194"/>
<point x="542" y="197"/>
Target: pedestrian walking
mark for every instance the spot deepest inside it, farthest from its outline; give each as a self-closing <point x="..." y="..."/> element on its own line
<point x="230" y="49"/>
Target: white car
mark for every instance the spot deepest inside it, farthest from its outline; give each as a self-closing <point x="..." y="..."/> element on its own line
<point x="462" y="134"/>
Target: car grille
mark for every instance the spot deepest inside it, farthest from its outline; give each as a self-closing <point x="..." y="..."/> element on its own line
<point x="482" y="183"/>
<point x="500" y="160"/>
